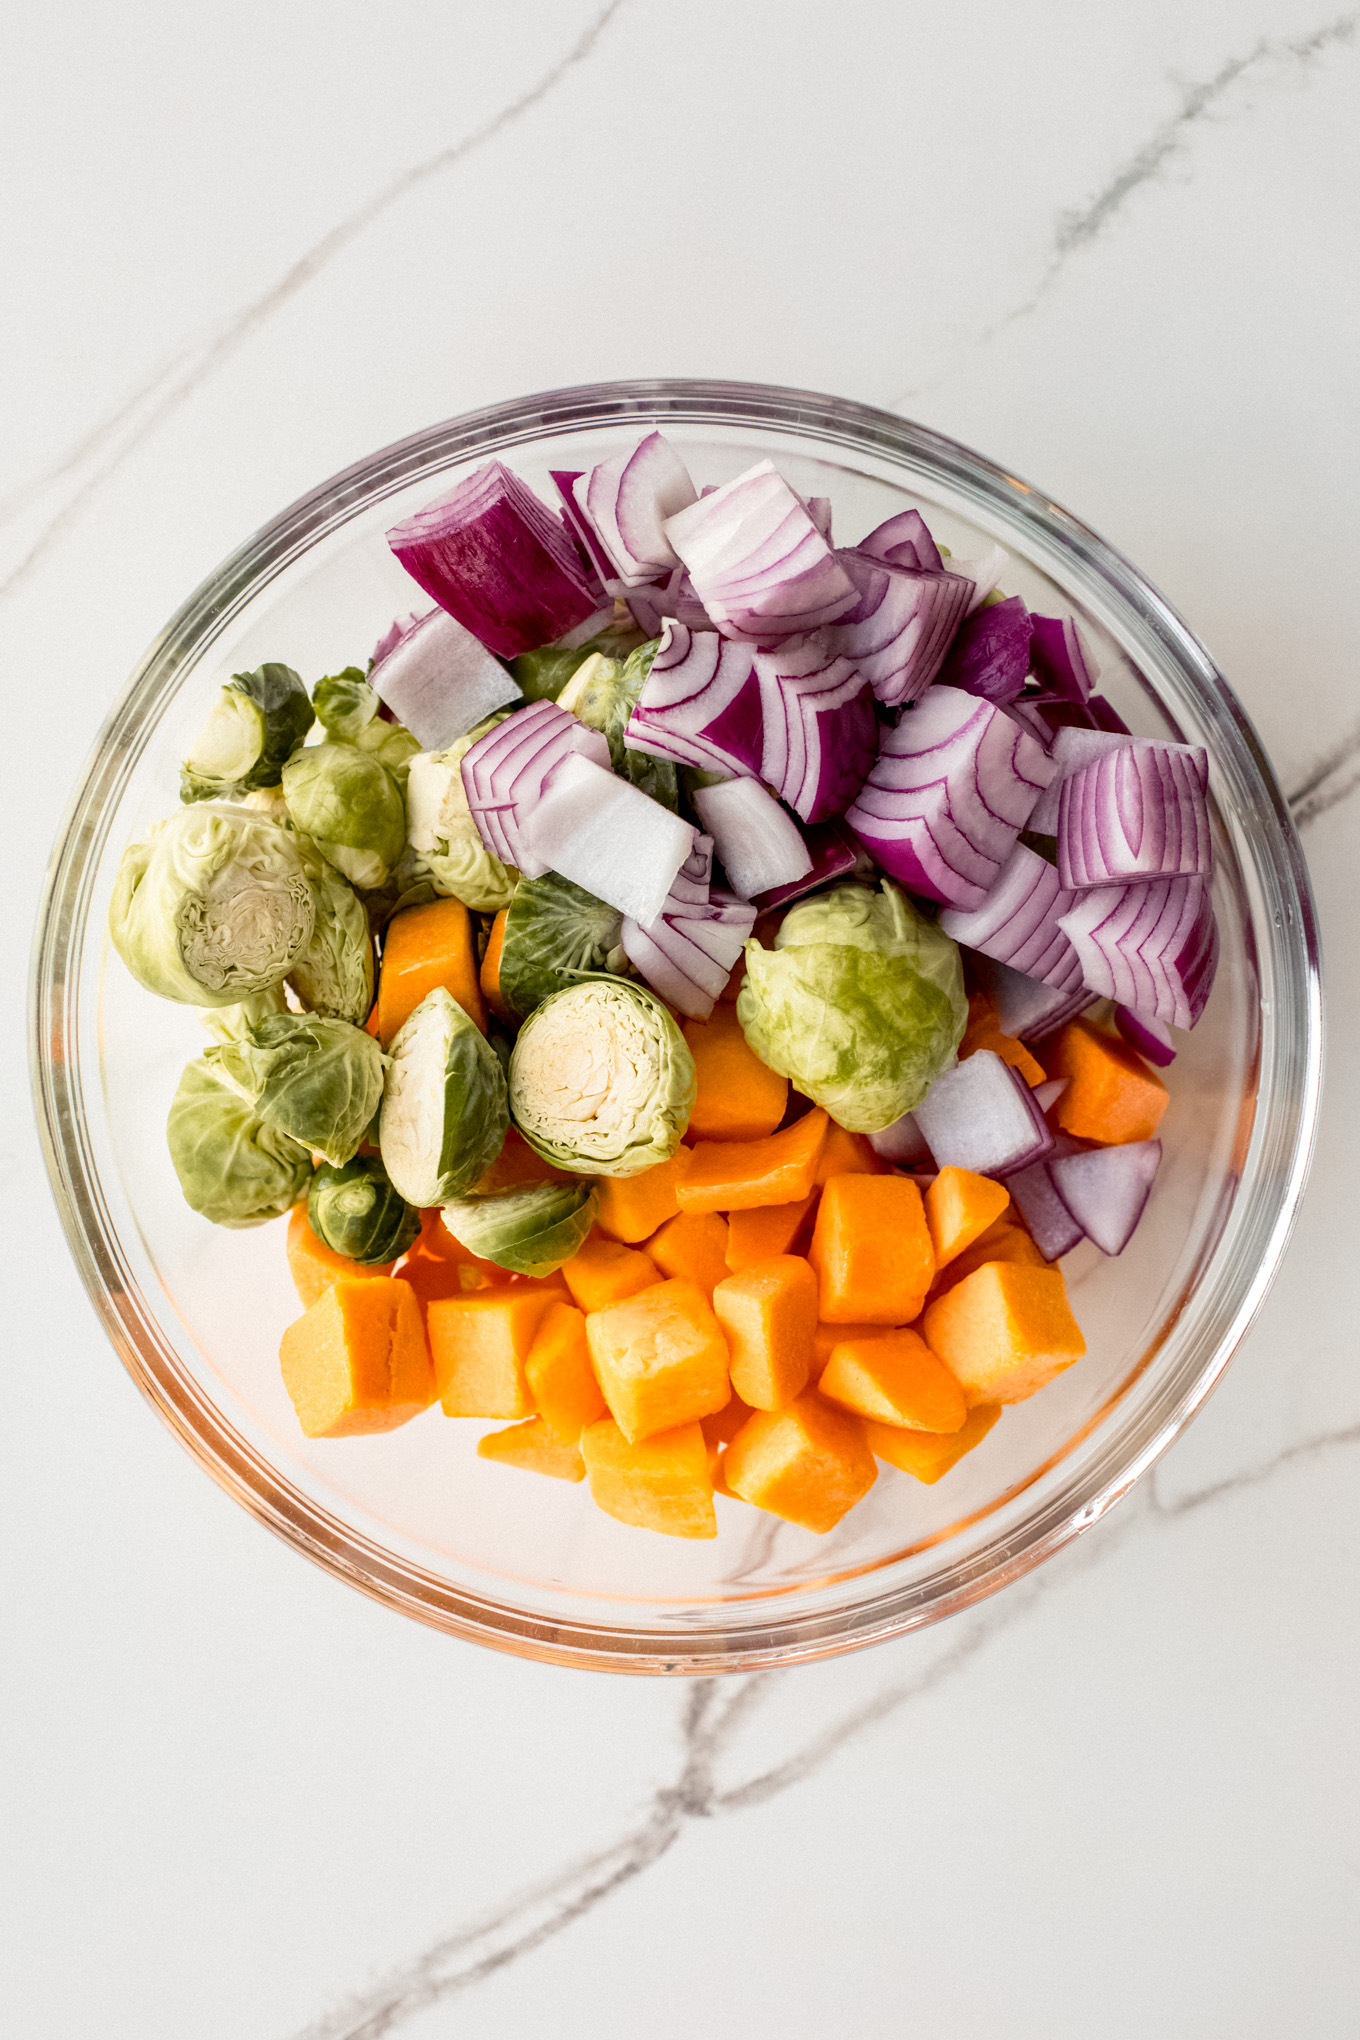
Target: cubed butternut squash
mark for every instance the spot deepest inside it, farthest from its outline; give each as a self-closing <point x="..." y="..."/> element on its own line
<point x="693" y="1244"/>
<point x="534" y="1447"/>
<point x="604" y="1271"/>
<point x="425" y="947"/>
<point x="660" y="1358"/>
<point x="479" y="1345"/>
<point x="1004" y="1331"/>
<point x="894" y="1378"/>
<point x="1111" y="1094"/>
<point x="739" y="1097"/>
<point x="769" y="1314"/>
<point x="314" y="1266"/>
<point x="559" y="1375"/>
<point x="357" y="1362"/>
<point x="984" y="1031"/>
<point x="848" y="1154"/>
<point x="871" y="1250"/>
<point x="1007" y="1240"/>
<point x="767" y="1230"/>
<point x="826" y="1338"/>
<point x="928" y="1455"/>
<point x="631" y="1208"/>
<point x="738" y="1175"/>
<point x="959" y="1208"/>
<point x="659" y="1483"/>
<point x="719" y="1430"/>
<point x="808" y="1463"/>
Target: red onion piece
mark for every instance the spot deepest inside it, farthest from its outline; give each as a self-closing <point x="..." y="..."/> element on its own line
<point x="605" y="835"/>
<point x="1106" y="1190"/>
<point x="947" y="796"/>
<point x="1047" y="1094"/>
<point x="820" y="730"/>
<point x="1026" y="1007"/>
<point x="596" y="561"/>
<point x="627" y="500"/>
<point x="982" y="1116"/>
<point x="900" y="630"/>
<point x="759" y="846"/>
<point x="700" y="703"/>
<point x="496" y="558"/>
<point x="1052" y="1227"/>
<point x="903" y="541"/>
<point x="819" y="510"/>
<point x="1139" y="812"/>
<point x="758" y="563"/>
<point x="441" y="681"/>
<point x="1071" y="749"/>
<point x="990" y="652"/>
<point x="833" y="853"/>
<point x="903" y="1142"/>
<point x="394" y="634"/>
<point x="508" y="771"/>
<point x="688" y="951"/>
<point x="984" y="573"/>
<point x="1151" y="1038"/>
<point x="1062" y="658"/>
<point x="1026" y="717"/>
<point x="1151" y="946"/>
<point x="1019" y="922"/>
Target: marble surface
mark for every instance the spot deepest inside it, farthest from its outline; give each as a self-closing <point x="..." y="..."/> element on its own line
<point x="1114" y="248"/>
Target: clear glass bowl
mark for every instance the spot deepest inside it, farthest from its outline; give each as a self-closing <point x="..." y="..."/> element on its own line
<point x="526" y="1565"/>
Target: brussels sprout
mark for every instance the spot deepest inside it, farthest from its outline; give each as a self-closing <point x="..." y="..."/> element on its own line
<point x="601" y="1079"/>
<point x="603" y="692"/>
<point x="334" y="974"/>
<point x="554" y="933"/>
<point x="211" y="906"/>
<point x="351" y="807"/>
<point x="444" y="1114"/>
<point x="543" y="674"/>
<point x="256" y="724"/>
<point x="356" y="1212"/>
<point x="233" y="1023"/>
<point x="232" y="1166"/>
<point x="442" y="832"/>
<point x="348" y="710"/>
<point x="530" y="1231"/>
<point x="319" y="1081"/>
<point x="860" y="1003"/>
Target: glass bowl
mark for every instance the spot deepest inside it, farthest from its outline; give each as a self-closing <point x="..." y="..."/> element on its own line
<point x="527" y="1565"/>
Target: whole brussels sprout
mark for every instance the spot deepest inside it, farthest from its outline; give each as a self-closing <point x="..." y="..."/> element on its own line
<point x="356" y="1212"/>
<point x="319" y="1081"/>
<point x="444" y="1114"/>
<point x="444" y="836"/>
<point x="211" y="906"/>
<point x="603" y="692"/>
<point x="601" y="1079"/>
<point x="530" y="1231"/>
<point x="334" y="974"/>
<point x="352" y="808"/>
<point x="860" y="1003"/>
<point x="233" y="1023"/>
<point x="347" y="709"/>
<point x="233" y="1167"/>
<point x="256" y="723"/>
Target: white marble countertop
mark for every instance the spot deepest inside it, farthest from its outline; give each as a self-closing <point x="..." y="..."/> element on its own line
<point x="1116" y="249"/>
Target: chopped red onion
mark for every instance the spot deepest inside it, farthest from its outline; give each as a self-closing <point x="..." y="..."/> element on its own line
<point x="1047" y="1094"/>
<point x="1071" y="749"/>
<point x="586" y="539"/>
<point x="1062" y="658"/>
<point x="1107" y="1189"/>
<point x="496" y="558"/>
<point x="903" y="1142"/>
<point x="990" y="652"/>
<point x="1106" y="716"/>
<point x="700" y="703"/>
<point x="1019" y="922"/>
<point x="627" y="501"/>
<point x="903" y="541"/>
<point x="1051" y="1225"/>
<point x="984" y="573"/>
<point x="602" y="620"/>
<point x="1151" y="946"/>
<point x="606" y="836"/>
<point x="1138" y="813"/>
<point x="758" y="563"/>
<point x="759" y="846"/>
<point x="507" y="772"/>
<point x="1026" y="1007"/>
<point x="819" y="510"/>
<point x="1026" y="717"/>
<point x="441" y="681"/>
<point x="394" y="634"/>
<point x="1151" y="1038"/>
<point x="820" y="730"/>
<point x="688" y="951"/>
<point x="982" y="1116"/>
<point x="900" y="630"/>
<point x="833" y="853"/>
<point x="947" y="796"/>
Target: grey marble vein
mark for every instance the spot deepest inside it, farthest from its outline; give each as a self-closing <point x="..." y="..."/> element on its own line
<point x="711" y="1717"/>
<point x="1333" y="779"/>
<point x="157" y="399"/>
<point x="1078" y="227"/>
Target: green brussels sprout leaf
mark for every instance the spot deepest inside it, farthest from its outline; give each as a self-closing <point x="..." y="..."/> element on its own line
<point x="256" y="723"/>
<point x="444" y="1115"/>
<point x="350" y="805"/>
<point x="601" y="1079"/>
<point x="530" y="1231"/>
<point x="444" y="835"/>
<point x="319" y="1081"/>
<point x="334" y="974"/>
<point x="233" y="1023"/>
<point x="233" y="1167"/>
<point x="355" y="1211"/>
<point x="603" y="692"/>
<point x="554" y="932"/>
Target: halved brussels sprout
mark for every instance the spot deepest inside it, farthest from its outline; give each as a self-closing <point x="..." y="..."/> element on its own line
<point x="554" y="933"/>
<point x="542" y="675"/>
<point x="347" y="709"/>
<point x="334" y="974"/>
<point x="211" y="906"/>
<point x="356" y="1211"/>
<point x="530" y="1231"/>
<point x="441" y="830"/>
<point x="860" y="1003"/>
<point x="320" y="1081"/>
<point x="233" y="1167"/>
<point x="603" y="692"/>
<point x="233" y="1023"/>
<point x="601" y="1079"/>
<point x="256" y="723"/>
<point x="444" y="1113"/>
<point x="351" y="807"/>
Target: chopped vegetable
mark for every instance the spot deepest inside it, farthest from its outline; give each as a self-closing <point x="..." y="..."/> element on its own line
<point x="758" y="563"/>
<point x="440" y="827"/>
<point x="660" y="1483"/>
<point x="319" y="1081"/>
<point x="742" y="1175"/>
<point x="832" y="853"/>
<point x="531" y="1230"/>
<point x="633" y="1207"/>
<point x="1062" y="658"/>
<point x="1027" y="1008"/>
<point x="808" y="1463"/>
<point x="984" y="1031"/>
<point x="334" y="974"/>
<point x="357" y="1362"/>
<point x="688" y="951"/>
<point x="553" y="934"/>
<point x="928" y="1455"/>
<point x="982" y="1116"/>
<point x="1019" y="923"/>
<point x="769" y="1314"/>
<point x="350" y="805"/>
<point x="255" y="725"/>
<point x="1151" y="1038"/>
<point x="821" y="732"/>
<point x="700" y="703"/>
<point x="1138" y="812"/>
<point x="602" y="694"/>
<point x="479" y="1345"/>
<point x="1004" y="1331"/>
<point x="900" y="629"/>
<point x="1107" y="1189"/>
<point x="990" y="653"/>
<point x="603" y="1272"/>
<point x="739" y="1097"/>
<point x="355" y="1212"/>
<point x="960" y="1206"/>
<point x="1153" y="947"/>
<point x="314" y="1266"/>
<point x="763" y="1231"/>
<point x="441" y="681"/>
<point x="233" y="1167"/>
<point x="903" y="540"/>
<point x="759" y="846"/>
<point x="847" y="1154"/>
<point x="605" y="835"/>
<point x="508" y="771"/>
<point x="601" y="1081"/>
<point x="559" y="1375"/>
<point x="894" y="1378"/>
<point x="627" y="501"/>
<point x="871" y="1251"/>
<point x="1051" y="1225"/>
<point x="443" y="1104"/>
<point x="693" y="1244"/>
<point x="426" y="948"/>
<point x="534" y="1448"/>
<point x="660" y="1359"/>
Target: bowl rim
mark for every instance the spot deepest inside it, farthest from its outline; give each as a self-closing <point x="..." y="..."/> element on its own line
<point x="204" y="1431"/>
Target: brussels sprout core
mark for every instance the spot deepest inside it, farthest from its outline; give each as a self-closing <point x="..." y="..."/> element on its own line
<point x="601" y="1080"/>
<point x="233" y="933"/>
<point x="230" y="742"/>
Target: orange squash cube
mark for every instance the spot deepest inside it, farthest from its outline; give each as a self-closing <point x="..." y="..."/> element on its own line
<point x="739" y="1097"/>
<point x="894" y="1378"/>
<point x="659" y="1483"/>
<point x="760" y="1234"/>
<point x="357" y="1362"/>
<point x="425" y="947"/>
<point x="604" y="1272"/>
<point x="719" y="1430"/>
<point x="693" y="1244"/>
<point x="871" y="1251"/>
<point x="559" y="1376"/>
<point x="984" y="1031"/>
<point x="848" y="1154"/>
<point x="632" y="1207"/>
<point x="479" y="1345"/>
<point x="534" y="1447"/>
<point x="739" y="1175"/>
<point x="928" y="1455"/>
<point x="314" y="1266"/>
<point x="807" y="1463"/>
<point x="1111" y="1094"/>
<point x="1007" y="1240"/>
<point x="769" y="1314"/>
<point x="826" y="1338"/>
<point x="1004" y="1331"/>
<point x="959" y="1209"/>
<point x="660" y="1359"/>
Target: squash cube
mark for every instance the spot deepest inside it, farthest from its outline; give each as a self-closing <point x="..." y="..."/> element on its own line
<point x="632" y="1207"/>
<point x="1004" y="1331"/>
<point x="603" y="1272"/>
<point x="1111" y="1094"/>
<point x="559" y="1375"/>
<point x="760" y="1234"/>
<point x="694" y="1245"/>
<point x="894" y="1378"/>
<point x="927" y="1455"/>
<point x="315" y="1267"/>
<point x="808" y="1463"/>
<point x="871" y="1251"/>
<point x="357" y="1362"/>
<point x="479" y="1345"/>
<point x="739" y="1097"/>
<point x="960" y="1207"/>
<point x="769" y="1314"/>
<point x="848" y="1154"/>
<point x="660" y="1359"/>
<point x="659" y="1483"/>
<point x="739" y="1175"/>
<point x="534" y="1448"/>
<point x="425" y="947"/>
<point x="826" y="1338"/>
